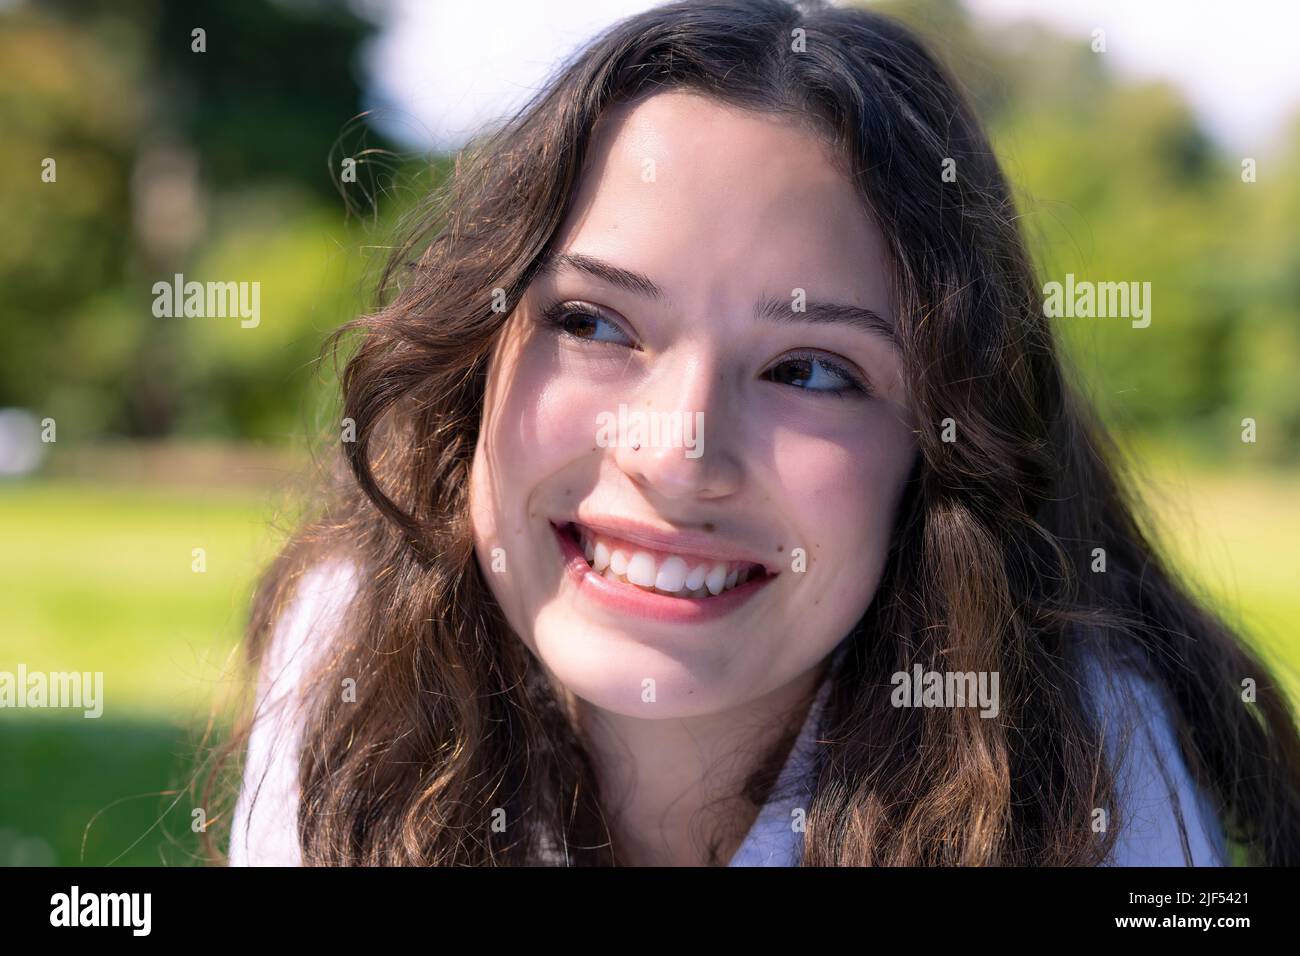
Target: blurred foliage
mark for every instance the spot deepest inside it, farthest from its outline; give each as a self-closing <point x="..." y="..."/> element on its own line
<point x="224" y="165"/>
<point x="220" y="165"/>
<point x="1116" y="181"/>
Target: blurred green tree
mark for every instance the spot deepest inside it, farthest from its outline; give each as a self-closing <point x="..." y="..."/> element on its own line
<point x="224" y="165"/>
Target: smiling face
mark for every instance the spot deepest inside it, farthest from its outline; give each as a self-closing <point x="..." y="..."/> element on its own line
<point x="695" y="434"/>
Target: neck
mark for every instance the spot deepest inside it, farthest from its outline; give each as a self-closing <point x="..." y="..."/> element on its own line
<point x="670" y="785"/>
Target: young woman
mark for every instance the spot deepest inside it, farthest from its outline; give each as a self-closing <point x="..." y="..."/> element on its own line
<point x="718" y="496"/>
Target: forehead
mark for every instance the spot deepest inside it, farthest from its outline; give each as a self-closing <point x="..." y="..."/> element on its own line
<point x="694" y="191"/>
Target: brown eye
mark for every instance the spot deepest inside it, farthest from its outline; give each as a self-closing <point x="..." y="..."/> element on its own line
<point x="579" y="324"/>
<point x="587" y="323"/>
<point x="815" y="373"/>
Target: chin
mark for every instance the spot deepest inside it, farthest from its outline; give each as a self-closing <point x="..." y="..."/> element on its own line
<point x="611" y="670"/>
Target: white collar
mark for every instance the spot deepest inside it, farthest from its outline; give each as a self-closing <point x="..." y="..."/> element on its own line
<point x="774" y="840"/>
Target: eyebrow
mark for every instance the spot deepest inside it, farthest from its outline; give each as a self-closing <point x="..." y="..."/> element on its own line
<point x="770" y="308"/>
<point x="778" y="310"/>
<point x="606" y="272"/>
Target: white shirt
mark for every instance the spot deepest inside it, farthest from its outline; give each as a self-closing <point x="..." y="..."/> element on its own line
<point x="1150" y="834"/>
<point x="267" y="834"/>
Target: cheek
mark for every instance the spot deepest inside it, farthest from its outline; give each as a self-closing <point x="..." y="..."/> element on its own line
<point x="547" y="417"/>
<point x="538" y="420"/>
<point x="844" y="490"/>
<point x="535" y="421"/>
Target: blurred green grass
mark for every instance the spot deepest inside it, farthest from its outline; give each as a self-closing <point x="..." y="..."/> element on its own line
<point x="99" y="578"/>
<point x="1236" y="535"/>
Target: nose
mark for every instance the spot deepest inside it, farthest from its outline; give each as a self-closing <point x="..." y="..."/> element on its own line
<point x="677" y="444"/>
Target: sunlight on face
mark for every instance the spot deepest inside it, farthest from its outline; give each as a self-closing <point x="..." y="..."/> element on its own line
<point x="703" y="381"/>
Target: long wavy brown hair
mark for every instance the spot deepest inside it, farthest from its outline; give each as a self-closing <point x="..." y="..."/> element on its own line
<point x="989" y="567"/>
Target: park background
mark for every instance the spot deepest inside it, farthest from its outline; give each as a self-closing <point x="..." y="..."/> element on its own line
<point x="174" y="434"/>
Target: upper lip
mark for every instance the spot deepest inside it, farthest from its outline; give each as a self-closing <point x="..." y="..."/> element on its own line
<point x="686" y="543"/>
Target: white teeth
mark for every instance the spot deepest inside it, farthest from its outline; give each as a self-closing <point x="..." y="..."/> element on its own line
<point x="671" y="574"/>
<point x="641" y="569"/>
<point x="716" y="578"/>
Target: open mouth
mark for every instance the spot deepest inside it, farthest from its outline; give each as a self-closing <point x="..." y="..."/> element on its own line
<point x="682" y="576"/>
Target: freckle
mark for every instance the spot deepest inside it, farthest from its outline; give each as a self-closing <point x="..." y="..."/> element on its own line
<point x="780" y="548"/>
<point x="710" y="526"/>
<point x="568" y="491"/>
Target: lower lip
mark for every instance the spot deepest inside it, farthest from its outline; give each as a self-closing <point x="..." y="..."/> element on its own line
<point x="632" y="600"/>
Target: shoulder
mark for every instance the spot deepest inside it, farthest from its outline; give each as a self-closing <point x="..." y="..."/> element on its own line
<point x="1154" y="786"/>
<point x="264" y="830"/>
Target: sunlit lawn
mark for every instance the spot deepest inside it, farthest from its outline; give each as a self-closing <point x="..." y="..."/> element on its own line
<point x="101" y="579"/>
<point x="1238" y="534"/>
